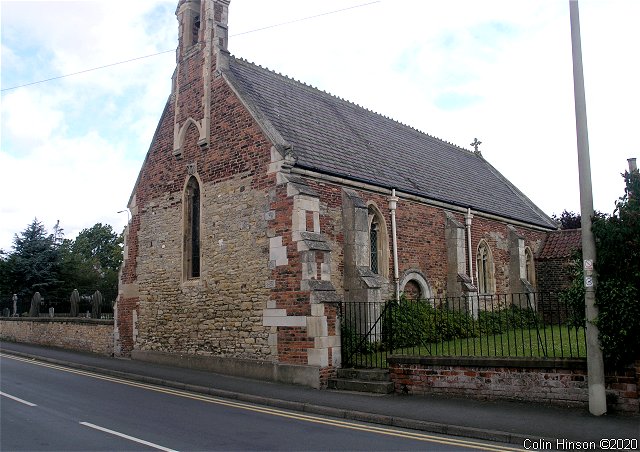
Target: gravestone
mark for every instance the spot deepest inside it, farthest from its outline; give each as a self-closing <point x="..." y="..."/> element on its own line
<point x="74" y="302"/>
<point x="15" y="304"/>
<point x="96" y="305"/>
<point x="34" y="311"/>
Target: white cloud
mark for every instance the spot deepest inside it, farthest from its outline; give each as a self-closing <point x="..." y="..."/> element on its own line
<point x="28" y="118"/>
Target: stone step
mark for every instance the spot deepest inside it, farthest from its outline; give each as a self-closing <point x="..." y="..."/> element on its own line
<point x="375" y="387"/>
<point x="364" y="374"/>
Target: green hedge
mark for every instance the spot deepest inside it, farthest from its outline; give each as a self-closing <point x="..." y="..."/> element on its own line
<point x="416" y="323"/>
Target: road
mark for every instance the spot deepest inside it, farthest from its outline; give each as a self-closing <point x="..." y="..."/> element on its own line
<point x="50" y="407"/>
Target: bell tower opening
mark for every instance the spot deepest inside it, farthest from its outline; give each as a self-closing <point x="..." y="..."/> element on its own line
<point x="189" y="18"/>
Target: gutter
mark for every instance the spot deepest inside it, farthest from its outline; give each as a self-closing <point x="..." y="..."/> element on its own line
<point x="371" y="187"/>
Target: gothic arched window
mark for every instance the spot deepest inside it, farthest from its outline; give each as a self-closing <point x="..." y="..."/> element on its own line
<point x="192" y="229"/>
<point x="195" y="30"/>
<point x="378" y="243"/>
<point x="374" y="230"/>
<point x="484" y="265"/>
<point x="530" y="271"/>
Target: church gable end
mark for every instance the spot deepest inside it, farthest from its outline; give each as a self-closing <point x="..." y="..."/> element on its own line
<point x="196" y="265"/>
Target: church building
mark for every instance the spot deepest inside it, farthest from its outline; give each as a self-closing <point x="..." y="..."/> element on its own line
<point x="264" y="205"/>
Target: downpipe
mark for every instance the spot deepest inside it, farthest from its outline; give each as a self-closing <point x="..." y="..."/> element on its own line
<point x="393" y="204"/>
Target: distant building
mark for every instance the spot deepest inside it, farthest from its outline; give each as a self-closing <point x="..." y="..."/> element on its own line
<point x="555" y="262"/>
<point x="264" y="203"/>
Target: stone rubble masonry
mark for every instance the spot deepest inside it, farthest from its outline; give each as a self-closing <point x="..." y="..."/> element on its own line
<point x="85" y="335"/>
<point x="557" y="382"/>
<point x="219" y="313"/>
<point x="250" y="302"/>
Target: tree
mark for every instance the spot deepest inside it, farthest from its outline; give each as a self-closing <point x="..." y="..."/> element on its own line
<point x="100" y="245"/>
<point x="35" y="262"/>
<point x="568" y="220"/>
<point x="93" y="259"/>
<point x="54" y="266"/>
<point x="5" y="278"/>
<point x="617" y="239"/>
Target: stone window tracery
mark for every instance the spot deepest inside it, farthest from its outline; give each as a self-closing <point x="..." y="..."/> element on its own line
<point x="485" y="269"/>
<point x="192" y="229"/>
<point x="378" y="243"/>
<point x="530" y="272"/>
<point x="373" y="239"/>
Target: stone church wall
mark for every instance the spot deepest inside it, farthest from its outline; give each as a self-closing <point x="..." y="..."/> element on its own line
<point x="272" y="243"/>
<point x="421" y="238"/>
<point x="219" y="313"/>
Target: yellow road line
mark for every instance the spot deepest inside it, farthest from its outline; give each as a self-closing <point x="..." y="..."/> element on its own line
<point x="273" y="411"/>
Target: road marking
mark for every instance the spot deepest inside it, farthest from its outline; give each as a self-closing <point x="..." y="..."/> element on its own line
<point x="130" y="438"/>
<point x="275" y="411"/>
<point x="17" y="399"/>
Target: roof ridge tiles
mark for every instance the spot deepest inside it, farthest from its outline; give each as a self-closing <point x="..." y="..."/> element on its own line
<point x="350" y="102"/>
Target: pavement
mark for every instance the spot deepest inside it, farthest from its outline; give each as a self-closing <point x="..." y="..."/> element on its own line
<point x="501" y="421"/>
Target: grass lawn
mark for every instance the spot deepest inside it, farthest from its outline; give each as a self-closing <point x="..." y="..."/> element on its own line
<point x="549" y="342"/>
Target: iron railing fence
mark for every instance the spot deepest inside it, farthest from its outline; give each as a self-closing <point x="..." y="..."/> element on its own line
<point x="513" y="325"/>
<point x="62" y="305"/>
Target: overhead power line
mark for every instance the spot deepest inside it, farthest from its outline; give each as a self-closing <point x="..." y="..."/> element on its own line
<point x="173" y="50"/>
<point x="88" y="70"/>
<point x="307" y="18"/>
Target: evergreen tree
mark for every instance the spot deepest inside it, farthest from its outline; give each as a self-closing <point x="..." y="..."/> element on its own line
<point x="35" y="262"/>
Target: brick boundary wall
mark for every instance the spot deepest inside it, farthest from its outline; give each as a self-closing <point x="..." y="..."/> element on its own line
<point x="86" y="335"/>
<point x="553" y="381"/>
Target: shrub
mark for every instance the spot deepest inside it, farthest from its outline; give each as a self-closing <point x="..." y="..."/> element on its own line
<point x="617" y="239"/>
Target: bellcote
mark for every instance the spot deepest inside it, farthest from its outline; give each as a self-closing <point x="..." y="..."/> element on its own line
<point x="201" y="56"/>
<point x="189" y="24"/>
<point x="203" y="21"/>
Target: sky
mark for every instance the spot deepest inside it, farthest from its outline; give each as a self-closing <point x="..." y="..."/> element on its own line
<point x="496" y="70"/>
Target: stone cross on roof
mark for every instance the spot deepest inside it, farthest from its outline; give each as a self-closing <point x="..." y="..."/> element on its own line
<point x="475" y="145"/>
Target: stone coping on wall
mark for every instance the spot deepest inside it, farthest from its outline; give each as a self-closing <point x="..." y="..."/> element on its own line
<point x="489" y="361"/>
<point x="79" y="320"/>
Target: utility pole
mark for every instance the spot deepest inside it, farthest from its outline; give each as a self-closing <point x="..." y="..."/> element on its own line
<point x="595" y="366"/>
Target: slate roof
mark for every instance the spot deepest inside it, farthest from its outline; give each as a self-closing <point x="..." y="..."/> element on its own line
<point x="334" y="136"/>
<point x="561" y="244"/>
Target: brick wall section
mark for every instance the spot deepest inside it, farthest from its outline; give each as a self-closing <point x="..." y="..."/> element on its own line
<point x="557" y="382"/>
<point x="555" y="265"/>
<point x="292" y="341"/>
<point x="554" y="275"/>
<point x="219" y="313"/>
<point x="421" y="237"/>
<point x="86" y="335"/>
